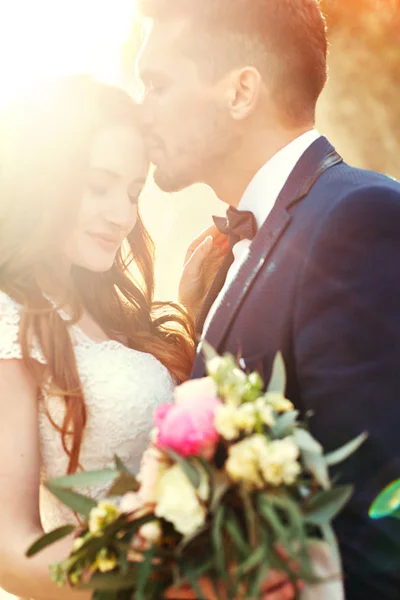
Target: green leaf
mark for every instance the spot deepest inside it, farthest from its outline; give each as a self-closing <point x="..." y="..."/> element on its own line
<point x="110" y="581"/>
<point x="387" y="503"/>
<point x="253" y="561"/>
<point x="76" y="502"/>
<point x="268" y="512"/>
<point x="144" y="573"/>
<point x="316" y="465"/>
<point x="277" y="383"/>
<point x="339" y="455"/>
<point x="236" y="534"/>
<point x="323" y="506"/>
<point x="305" y="441"/>
<point x="218" y="541"/>
<point x="285" y="423"/>
<point x="191" y="472"/>
<point x="48" y="539"/>
<point x="121" y="467"/>
<point x="85" y="479"/>
<point x="125" y="483"/>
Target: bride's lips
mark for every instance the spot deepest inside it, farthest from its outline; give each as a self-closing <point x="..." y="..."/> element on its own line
<point x="106" y="241"/>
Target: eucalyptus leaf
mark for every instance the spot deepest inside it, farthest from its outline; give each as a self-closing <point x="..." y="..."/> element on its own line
<point x="323" y="506"/>
<point x="254" y="560"/>
<point x="123" y="484"/>
<point x="316" y="465"/>
<point x="218" y="540"/>
<point x="339" y="455"/>
<point x="236" y="534"/>
<point x="48" y="539"/>
<point x="111" y="581"/>
<point x="387" y="503"/>
<point x="121" y="467"/>
<point x="76" y="502"/>
<point x="268" y="512"/>
<point x="305" y="441"/>
<point x="143" y="575"/>
<point x="85" y="479"/>
<point x="277" y="383"/>
<point x="285" y="424"/>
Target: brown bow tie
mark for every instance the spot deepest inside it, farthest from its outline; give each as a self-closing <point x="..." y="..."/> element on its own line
<point x="237" y="225"/>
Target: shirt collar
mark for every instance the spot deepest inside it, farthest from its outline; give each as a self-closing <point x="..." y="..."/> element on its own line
<point x="266" y="185"/>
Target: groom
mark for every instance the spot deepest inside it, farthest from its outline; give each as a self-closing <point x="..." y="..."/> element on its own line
<point x="231" y="90"/>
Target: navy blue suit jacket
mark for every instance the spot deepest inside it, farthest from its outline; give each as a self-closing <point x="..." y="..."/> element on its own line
<point x="321" y="284"/>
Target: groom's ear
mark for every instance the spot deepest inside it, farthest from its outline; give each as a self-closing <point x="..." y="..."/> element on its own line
<point x="243" y="92"/>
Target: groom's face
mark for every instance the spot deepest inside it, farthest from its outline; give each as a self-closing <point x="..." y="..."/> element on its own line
<point x="186" y="123"/>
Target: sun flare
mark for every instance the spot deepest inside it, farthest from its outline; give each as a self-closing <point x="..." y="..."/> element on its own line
<point x="46" y="38"/>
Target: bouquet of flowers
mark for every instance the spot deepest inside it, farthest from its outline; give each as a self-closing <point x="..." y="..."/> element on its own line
<point x="232" y="485"/>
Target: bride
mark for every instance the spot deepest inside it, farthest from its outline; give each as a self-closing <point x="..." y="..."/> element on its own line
<point x="85" y="353"/>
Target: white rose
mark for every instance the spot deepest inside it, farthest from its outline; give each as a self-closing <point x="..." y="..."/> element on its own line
<point x="279" y="463"/>
<point x="196" y="388"/>
<point x="179" y="502"/>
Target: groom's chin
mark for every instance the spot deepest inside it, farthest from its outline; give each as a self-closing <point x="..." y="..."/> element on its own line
<point x="170" y="183"/>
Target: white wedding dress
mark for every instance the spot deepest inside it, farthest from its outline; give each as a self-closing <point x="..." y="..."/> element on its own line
<point x="122" y="387"/>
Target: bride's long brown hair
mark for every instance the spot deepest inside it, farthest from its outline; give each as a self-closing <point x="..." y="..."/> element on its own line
<point x="45" y="141"/>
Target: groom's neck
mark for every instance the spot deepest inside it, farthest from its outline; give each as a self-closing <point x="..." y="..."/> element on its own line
<point x="238" y="169"/>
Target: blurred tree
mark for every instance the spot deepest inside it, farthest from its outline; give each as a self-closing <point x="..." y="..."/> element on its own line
<point x="360" y="109"/>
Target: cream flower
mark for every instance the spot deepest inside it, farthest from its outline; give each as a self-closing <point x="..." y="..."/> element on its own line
<point x="243" y="464"/>
<point x="225" y="421"/>
<point x="279" y="464"/>
<point x="151" y="532"/>
<point x="278" y="402"/>
<point x="265" y="411"/>
<point x="180" y="503"/>
<point x="246" y="417"/>
<point x="256" y="462"/>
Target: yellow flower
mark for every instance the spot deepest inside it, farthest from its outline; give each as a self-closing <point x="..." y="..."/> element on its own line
<point x="101" y="516"/>
<point x="106" y="561"/>
<point x="78" y="543"/>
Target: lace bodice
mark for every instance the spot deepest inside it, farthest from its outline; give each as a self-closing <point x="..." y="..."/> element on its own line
<point x="122" y="388"/>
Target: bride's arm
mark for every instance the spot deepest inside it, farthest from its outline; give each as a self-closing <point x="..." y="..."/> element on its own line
<point x="19" y="493"/>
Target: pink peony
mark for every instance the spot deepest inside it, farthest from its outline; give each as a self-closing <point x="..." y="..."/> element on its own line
<point x="188" y="427"/>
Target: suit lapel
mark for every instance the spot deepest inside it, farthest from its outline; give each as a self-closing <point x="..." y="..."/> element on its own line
<point x="320" y="156"/>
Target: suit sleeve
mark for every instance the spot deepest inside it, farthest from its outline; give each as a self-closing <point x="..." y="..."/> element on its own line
<point x="347" y="349"/>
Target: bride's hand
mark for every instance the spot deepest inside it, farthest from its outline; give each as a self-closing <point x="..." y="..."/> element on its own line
<point x="203" y="258"/>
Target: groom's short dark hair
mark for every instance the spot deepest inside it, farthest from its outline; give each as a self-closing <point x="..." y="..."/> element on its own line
<point x="284" y="39"/>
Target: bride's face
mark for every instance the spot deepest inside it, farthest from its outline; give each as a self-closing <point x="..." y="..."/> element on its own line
<point x="108" y="210"/>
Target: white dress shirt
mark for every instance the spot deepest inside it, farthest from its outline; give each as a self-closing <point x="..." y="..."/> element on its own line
<point x="260" y="197"/>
